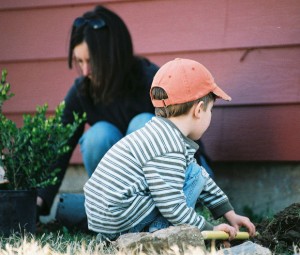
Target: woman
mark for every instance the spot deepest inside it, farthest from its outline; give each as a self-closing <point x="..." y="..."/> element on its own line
<point x="113" y="90"/>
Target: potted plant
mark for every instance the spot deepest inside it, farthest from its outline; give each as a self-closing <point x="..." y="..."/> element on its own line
<point x="27" y="154"/>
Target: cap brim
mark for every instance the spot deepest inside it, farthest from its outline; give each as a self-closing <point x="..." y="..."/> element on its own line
<point x="220" y="93"/>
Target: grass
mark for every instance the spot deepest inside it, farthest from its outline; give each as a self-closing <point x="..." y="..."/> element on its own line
<point x="56" y="243"/>
<point x="52" y="244"/>
<point x="62" y="242"/>
<point x="54" y="239"/>
<point x="57" y="240"/>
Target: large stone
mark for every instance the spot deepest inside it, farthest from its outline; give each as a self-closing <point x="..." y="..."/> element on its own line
<point x="175" y="238"/>
<point x="246" y="248"/>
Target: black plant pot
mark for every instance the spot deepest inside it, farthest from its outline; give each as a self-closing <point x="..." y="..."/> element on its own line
<point x="17" y="212"/>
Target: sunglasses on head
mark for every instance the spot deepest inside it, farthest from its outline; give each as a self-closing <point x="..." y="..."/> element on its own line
<point x="94" y="23"/>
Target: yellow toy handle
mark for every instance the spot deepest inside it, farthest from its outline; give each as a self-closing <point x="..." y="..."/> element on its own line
<point x="221" y="235"/>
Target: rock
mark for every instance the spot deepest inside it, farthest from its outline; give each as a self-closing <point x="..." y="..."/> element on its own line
<point x="247" y="248"/>
<point x="175" y="238"/>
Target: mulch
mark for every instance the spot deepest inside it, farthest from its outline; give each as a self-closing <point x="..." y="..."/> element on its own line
<point x="281" y="233"/>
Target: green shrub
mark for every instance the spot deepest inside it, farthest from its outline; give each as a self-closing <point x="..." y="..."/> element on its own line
<point x="29" y="152"/>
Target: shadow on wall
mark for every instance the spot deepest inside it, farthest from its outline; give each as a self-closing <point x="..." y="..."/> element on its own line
<point x="262" y="187"/>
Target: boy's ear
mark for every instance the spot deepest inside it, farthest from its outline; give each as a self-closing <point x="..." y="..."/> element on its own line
<point x="199" y="107"/>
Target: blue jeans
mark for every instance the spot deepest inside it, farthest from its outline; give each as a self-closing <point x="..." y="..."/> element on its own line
<point x="195" y="180"/>
<point x="99" y="138"/>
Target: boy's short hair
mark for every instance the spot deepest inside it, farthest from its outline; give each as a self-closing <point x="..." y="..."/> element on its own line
<point x="178" y="109"/>
<point x="183" y="81"/>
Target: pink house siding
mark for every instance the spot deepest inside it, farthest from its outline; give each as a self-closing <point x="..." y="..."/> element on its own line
<point x="251" y="47"/>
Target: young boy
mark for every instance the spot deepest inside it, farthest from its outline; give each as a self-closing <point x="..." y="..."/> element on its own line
<point x="150" y="179"/>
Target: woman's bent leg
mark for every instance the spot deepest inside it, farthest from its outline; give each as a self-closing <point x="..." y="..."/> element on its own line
<point x="96" y="141"/>
<point x="139" y="121"/>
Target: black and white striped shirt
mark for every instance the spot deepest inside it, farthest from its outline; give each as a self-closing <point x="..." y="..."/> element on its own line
<point x="144" y="170"/>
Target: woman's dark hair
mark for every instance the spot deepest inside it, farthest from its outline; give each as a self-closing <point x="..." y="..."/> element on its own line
<point x="114" y="67"/>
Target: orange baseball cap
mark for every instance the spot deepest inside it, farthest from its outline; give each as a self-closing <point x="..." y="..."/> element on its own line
<point x="184" y="80"/>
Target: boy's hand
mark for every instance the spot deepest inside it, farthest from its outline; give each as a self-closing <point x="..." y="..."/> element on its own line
<point x="231" y="231"/>
<point x="238" y="221"/>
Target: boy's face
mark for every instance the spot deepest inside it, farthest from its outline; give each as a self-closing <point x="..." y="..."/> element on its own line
<point x="203" y="121"/>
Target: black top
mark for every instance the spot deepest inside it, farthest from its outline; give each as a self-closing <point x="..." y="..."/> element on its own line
<point x="118" y="112"/>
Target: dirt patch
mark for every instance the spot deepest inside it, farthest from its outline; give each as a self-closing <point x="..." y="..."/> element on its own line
<point x="281" y="233"/>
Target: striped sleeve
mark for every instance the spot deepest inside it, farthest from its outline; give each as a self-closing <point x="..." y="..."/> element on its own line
<point x="165" y="177"/>
<point x="215" y="199"/>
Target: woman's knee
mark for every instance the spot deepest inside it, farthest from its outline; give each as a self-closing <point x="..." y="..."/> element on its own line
<point x="95" y="142"/>
<point x="139" y="121"/>
<point x="100" y="134"/>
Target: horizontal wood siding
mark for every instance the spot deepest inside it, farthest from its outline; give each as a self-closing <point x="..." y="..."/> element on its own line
<point x="158" y="26"/>
<point x="251" y="47"/>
